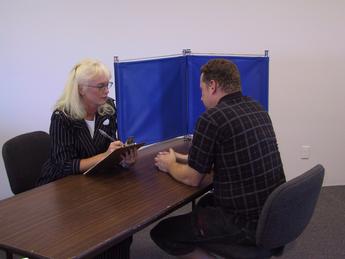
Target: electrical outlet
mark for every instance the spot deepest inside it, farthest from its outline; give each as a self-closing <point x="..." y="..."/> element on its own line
<point x="305" y="152"/>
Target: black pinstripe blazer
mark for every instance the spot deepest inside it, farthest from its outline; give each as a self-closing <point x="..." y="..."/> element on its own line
<point x="71" y="141"/>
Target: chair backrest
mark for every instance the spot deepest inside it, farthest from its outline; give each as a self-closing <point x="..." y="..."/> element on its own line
<point x="289" y="209"/>
<point x="23" y="157"/>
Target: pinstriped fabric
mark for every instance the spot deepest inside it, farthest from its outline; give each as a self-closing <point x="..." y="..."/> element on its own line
<point x="237" y="139"/>
<point x="71" y="141"/>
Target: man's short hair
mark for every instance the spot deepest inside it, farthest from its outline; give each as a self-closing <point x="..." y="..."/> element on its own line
<point x="224" y="72"/>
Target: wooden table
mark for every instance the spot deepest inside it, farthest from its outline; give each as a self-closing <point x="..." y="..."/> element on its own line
<point x="81" y="216"/>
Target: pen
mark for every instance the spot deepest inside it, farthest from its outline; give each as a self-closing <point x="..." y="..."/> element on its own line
<point x="104" y="134"/>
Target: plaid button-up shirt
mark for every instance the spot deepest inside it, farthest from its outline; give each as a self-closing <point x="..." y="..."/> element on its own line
<point x="236" y="139"/>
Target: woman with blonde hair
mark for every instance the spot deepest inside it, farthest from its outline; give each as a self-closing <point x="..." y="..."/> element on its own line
<point x="76" y="143"/>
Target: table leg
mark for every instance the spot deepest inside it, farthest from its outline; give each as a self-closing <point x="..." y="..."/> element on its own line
<point x="9" y="255"/>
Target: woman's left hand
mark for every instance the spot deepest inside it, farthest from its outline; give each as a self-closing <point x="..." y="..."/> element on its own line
<point x="129" y="158"/>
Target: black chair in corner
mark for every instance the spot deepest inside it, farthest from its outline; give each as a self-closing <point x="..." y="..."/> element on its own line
<point x="286" y="213"/>
<point x="23" y="157"/>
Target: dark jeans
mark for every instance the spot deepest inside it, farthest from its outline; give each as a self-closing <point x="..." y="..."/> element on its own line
<point x="206" y="224"/>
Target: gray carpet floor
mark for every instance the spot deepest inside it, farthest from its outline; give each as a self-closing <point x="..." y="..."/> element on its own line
<point x="324" y="237"/>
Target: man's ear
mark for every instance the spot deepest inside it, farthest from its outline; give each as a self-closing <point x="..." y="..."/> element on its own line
<point x="213" y="85"/>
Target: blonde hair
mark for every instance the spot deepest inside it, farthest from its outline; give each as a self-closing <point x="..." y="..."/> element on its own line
<point x="70" y="102"/>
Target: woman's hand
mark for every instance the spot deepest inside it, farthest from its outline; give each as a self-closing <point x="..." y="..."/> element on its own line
<point x="114" y="146"/>
<point x="129" y="158"/>
<point x="86" y="163"/>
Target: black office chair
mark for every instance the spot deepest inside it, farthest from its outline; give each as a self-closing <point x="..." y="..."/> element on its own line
<point x="24" y="156"/>
<point x="285" y="215"/>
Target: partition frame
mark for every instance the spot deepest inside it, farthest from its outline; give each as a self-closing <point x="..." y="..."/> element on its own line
<point x="149" y="121"/>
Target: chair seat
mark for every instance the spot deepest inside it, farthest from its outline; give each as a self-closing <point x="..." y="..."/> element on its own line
<point x="286" y="213"/>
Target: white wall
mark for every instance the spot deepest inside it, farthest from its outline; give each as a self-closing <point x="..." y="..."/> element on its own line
<point x="41" y="40"/>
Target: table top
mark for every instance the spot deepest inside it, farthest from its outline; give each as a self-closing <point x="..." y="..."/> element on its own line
<point x="81" y="216"/>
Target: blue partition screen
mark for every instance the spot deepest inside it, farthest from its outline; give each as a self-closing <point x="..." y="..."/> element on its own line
<point x="158" y="99"/>
<point x="254" y="79"/>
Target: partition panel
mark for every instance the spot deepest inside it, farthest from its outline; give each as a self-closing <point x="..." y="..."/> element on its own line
<point x="158" y="99"/>
<point x="254" y="79"/>
<point x="151" y="99"/>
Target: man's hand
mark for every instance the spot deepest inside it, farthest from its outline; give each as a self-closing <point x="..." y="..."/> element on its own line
<point x="164" y="160"/>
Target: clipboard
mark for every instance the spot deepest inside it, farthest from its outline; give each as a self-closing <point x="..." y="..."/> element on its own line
<point x="111" y="161"/>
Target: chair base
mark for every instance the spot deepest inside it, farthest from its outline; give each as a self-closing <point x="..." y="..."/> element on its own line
<point x="233" y="251"/>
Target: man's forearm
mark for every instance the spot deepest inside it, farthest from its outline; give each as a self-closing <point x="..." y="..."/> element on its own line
<point x="181" y="158"/>
<point x="185" y="174"/>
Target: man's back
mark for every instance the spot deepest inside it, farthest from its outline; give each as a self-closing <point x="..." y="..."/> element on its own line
<point x="237" y="137"/>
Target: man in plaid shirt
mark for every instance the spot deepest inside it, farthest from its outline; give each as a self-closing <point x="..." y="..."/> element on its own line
<point x="234" y="139"/>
